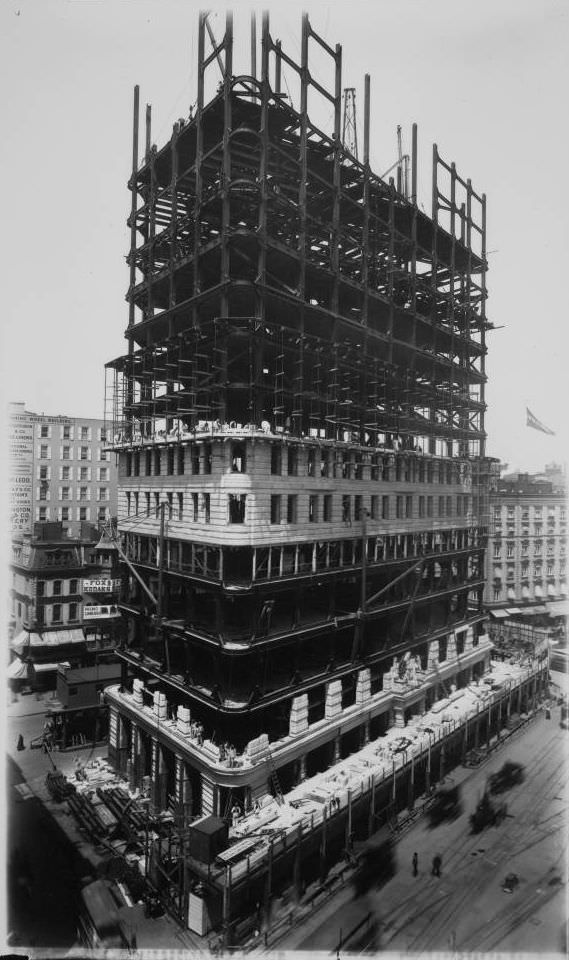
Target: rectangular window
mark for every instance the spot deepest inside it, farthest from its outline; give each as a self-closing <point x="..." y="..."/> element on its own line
<point x="44" y="451"/>
<point x="169" y="504"/>
<point x="101" y="514"/>
<point x="83" y="493"/>
<point x="408" y="506"/>
<point x="328" y="507"/>
<point x="237" y="507"/>
<point x="147" y="499"/>
<point x="156" y="504"/>
<point x="449" y="506"/>
<point x="103" y="493"/>
<point x="84" y="453"/>
<point x="128" y="504"/>
<point x="56" y="613"/>
<point x="313" y="509"/>
<point x="195" y="453"/>
<point x="429" y="506"/>
<point x="421" y="506"/>
<point x="325" y="463"/>
<point x="497" y="551"/>
<point x="207" y="453"/>
<point x="195" y="508"/>
<point x="509" y="549"/>
<point x="103" y="435"/>
<point x="84" y="473"/>
<point x="311" y="462"/>
<point x="357" y="507"/>
<point x="459" y="505"/>
<point x="44" y="473"/>
<point x="57" y="588"/>
<point x="497" y="593"/>
<point x="292" y="461"/>
<point x="170" y="461"/>
<point x="84" y="433"/>
<point x="346" y="508"/>
<point x="399" y="507"/>
<point x="67" y="432"/>
<point x="276" y="459"/>
<point x="157" y="462"/>
<point x="65" y="513"/>
<point x="181" y="460"/>
<point x="73" y="586"/>
<point x="207" y="506"/>
<point x="41" y="588"/>
<point x="103" y="473"/>
<point x="44" y="430"/>
<point x="385" y="508"/>
<point x="275" y="508"/>
<point x="291" y="508"/>
<point x="65" y="493"/>
<point x="104" y="454"/>
<point x="73" y="611"/>
<point x="83" y="513"/>
<point x="43" y="492"/>
<point x="66" y="453"/>
<point x="42" y="515"/>
<point x="180" y="498"/>
<point x="374" y="507"/>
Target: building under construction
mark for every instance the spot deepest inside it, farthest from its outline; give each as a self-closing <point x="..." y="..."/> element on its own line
<point x="299" y="420"/>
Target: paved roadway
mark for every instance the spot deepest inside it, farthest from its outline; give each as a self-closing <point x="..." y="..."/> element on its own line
<point x="466" y="909"/>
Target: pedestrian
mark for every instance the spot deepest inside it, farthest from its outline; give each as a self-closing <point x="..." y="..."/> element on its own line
<point x="20" y="744"/>
<point x="437" y="863"/>
<point x="415" y="862"/>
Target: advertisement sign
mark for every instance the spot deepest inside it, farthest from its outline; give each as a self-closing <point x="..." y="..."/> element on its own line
<point x="20" y="477"/>
<point x="100" y="612"/>
<point x="101" y="586"/>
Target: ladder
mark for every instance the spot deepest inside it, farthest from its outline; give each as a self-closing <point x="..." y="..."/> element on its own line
<point x="274" y="777"/>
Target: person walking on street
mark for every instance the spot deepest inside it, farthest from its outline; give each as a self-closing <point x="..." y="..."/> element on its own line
<point x="437" y="863"/>
<point x="415" y="862"/>
<point x="20" y="744"/>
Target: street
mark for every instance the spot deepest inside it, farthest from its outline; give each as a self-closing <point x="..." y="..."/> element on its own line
<point x="466" y="909"/>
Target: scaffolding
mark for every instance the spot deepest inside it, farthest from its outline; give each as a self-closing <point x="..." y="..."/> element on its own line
<point x="276" y="280"/>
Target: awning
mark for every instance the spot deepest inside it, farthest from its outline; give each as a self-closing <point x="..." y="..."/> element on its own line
<point x="498" y="614"/>
<point x="558" y="609"/>
<point x="51" y="638"/>
<point x="17" y="670"/>
<point x="511" y="610"/>
<point x="46" y="667"/>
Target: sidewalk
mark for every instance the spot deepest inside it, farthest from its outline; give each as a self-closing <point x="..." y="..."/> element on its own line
<point x="31" y="704"/>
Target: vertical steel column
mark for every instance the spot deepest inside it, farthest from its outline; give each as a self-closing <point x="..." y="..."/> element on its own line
<point x="199" y="158"/>
<point x="337" y="183"/>
<point x="226" y="183"/>
<point x="483" y="327"/>
<point x="151" y="160"/>
<point x="366" y="201"/>
<point x="173" y="226"/>
<point x="133" y="205"/>
<point x="302" y="190"/>
<point x="434" y="288"/>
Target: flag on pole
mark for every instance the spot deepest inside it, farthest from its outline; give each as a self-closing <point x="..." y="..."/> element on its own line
<point x="532" y="421"/>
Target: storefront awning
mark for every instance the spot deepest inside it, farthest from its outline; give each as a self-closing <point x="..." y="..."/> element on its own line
<point x="558" y="609"/>
<point x="17" y="670"/>
<point x="498" y="614"/>
<point x="46" y="667"/>
<point x="51" y="638"/>
<point x="512" y="610"/>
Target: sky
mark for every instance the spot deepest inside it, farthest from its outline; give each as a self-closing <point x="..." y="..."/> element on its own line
<point x="485" y="81"/>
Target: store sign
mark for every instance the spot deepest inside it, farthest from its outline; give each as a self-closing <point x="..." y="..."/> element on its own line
<point x="20" y="477"/>
<point x="101" y="586"/>
<point x="98" y="612"/>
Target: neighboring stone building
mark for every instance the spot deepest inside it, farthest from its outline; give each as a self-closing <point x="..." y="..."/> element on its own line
<point x="64" y="594"/>
<point x="526" y="558"/>
<point x="60" y="470"/>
